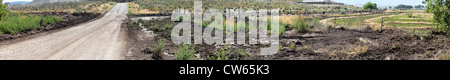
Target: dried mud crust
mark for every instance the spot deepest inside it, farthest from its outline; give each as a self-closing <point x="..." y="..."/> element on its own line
<point x="331" y="44"/>
<point x="68" y="20"/>
<point x="341" y="44"/>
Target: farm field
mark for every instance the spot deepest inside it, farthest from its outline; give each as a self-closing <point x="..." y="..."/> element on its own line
<point x="143" y="30"/>
<point x="307" y="36"/>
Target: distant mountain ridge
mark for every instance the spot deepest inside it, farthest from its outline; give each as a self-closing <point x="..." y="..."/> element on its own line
<point x="19" y="2"/>
<point x="51" y="1"/>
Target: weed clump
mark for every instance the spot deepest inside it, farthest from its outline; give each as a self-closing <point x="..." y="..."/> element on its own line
<point x="222" y="54"/>
<point x="300" y="25"/>
<point x="185" y="52"/>
<point x="159" y="48"/>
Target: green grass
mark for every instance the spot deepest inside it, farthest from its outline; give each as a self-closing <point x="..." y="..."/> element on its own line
<point x="51" y="20"/>
<point x="419" y="32"/>
<point x="409" y="25"/>
<point x="160" y="46"/>
<point x="350" y="21"/>
<point x="409" y="15"/>
<point x="12" y="24"/>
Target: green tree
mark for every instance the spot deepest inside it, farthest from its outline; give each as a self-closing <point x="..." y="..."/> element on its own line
<point x="370" y="6"/>
<point x="3" y="10"/>
<point x="440" y="9"/>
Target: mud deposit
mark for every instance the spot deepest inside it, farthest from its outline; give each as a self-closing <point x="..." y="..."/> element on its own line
<point x="330" y="44"/>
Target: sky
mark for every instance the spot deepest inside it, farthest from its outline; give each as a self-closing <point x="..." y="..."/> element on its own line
<point x="15" y="0"/>
<point x="381" y="3"/>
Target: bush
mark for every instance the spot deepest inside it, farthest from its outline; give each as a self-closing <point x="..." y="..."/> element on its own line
<point x="161" y="45"/>
<point x="301" y="25"/>
<point x="159" y="48"/>
<point x="185" y="52"/>
<point x="222" y="54"/>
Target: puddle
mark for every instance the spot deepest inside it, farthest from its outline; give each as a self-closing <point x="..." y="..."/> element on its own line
<point x="149" y="18"/>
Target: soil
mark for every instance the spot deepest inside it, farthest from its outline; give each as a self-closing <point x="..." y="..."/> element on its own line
<point x="330" y="44"/>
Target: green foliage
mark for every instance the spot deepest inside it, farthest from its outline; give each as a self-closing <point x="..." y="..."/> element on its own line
<point x="292" y="46"/>
<point x="440" y="9"/>
<point x="370" y="6"/>
<point x="280" y="47"/>
<point x="14" y="24"/>
<point x="243" y="55"/>
<point x="315" y="22"/>
<point x="3" y="11"/>
<point x="51" y="20"/>
<point x="301" y="25"/>
<point x="134" y="25"/>
<point x="281" y="30"/>
<point x="222" y="54"/>
<point x="185" y="52"/>
<point x="160" y="46"/>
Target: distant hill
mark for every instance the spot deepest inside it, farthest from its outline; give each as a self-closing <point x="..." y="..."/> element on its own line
<point x="52" y="1"/>
<point x="19" y="2"/>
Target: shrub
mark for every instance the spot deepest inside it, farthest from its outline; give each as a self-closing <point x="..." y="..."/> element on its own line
<point x="133" y="25"/>
<point x="222" y="54"/>
<point x="301" y="25"/>
<point x="185" y="52"/>
<point x="159" y="48"/>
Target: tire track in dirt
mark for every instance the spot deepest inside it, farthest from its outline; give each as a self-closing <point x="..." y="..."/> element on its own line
<point x="101" y="39"/>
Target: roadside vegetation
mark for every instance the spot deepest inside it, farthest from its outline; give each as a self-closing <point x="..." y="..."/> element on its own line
<point x="18" y="22"/>
<point x="14" y="22"/>
<point x="92" y="6"/>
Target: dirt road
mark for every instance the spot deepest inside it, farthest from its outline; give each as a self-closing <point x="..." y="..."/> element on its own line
<point x="101" y="39"/>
